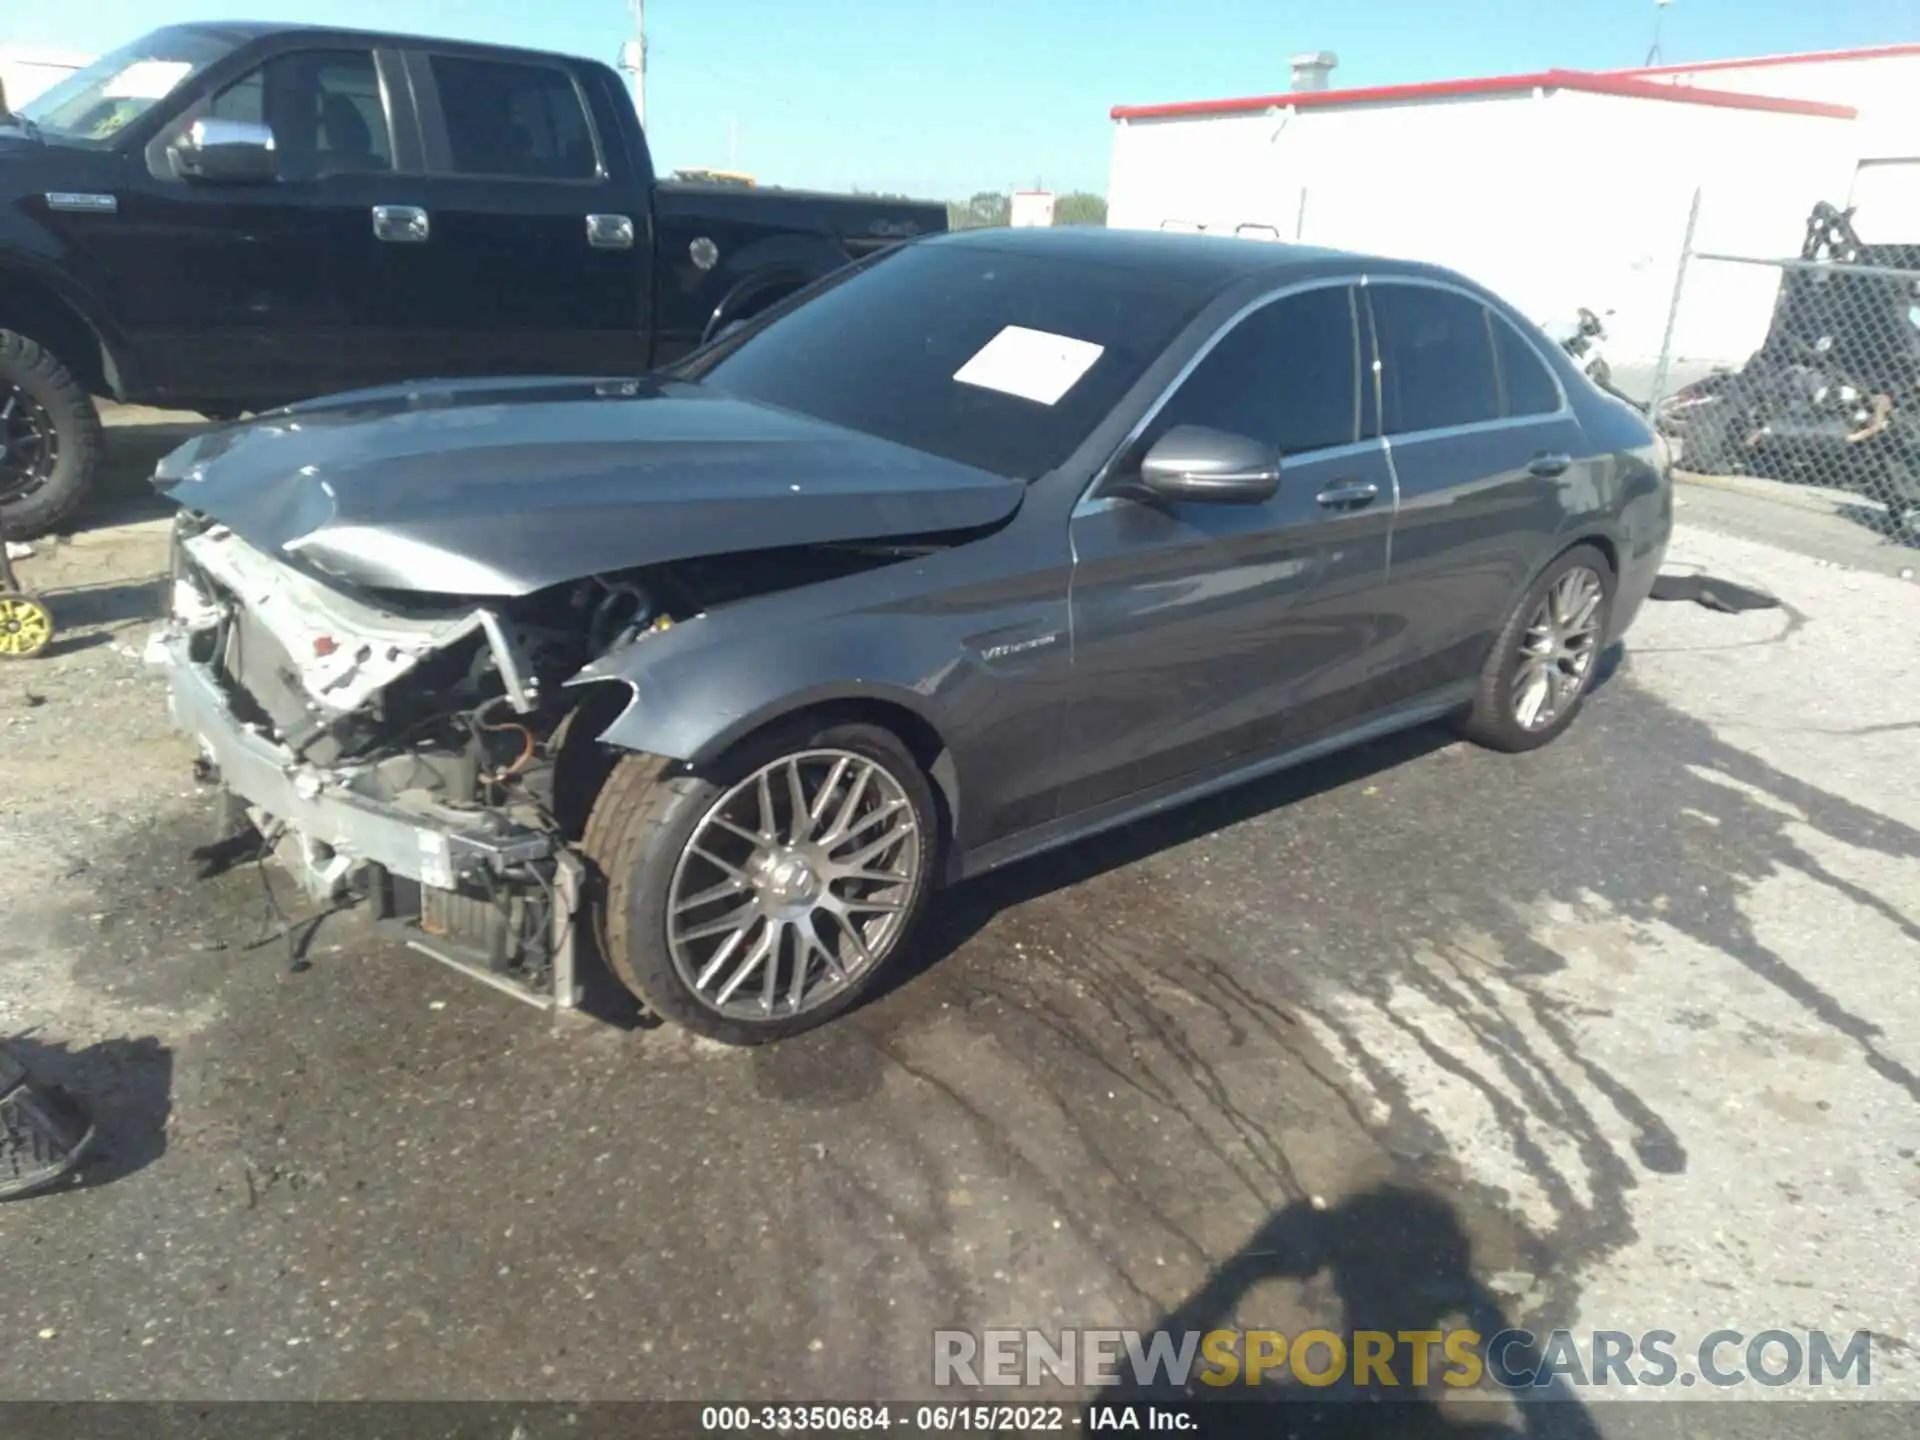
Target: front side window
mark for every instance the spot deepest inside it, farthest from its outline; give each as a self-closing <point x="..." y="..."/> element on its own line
<point x="325" y="109"/>
<point x="1436" y="358"/>
<point x="95" y="103"/>
<point x="1288" y="375"/>
<point x="998" y="359"/>
<point x="526" y="121"/>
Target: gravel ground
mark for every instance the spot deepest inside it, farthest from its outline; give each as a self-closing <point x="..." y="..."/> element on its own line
<point x="1622" y="1035"/>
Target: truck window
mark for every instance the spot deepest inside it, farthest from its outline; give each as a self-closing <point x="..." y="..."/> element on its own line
<point x="94" y="104"/>
<point x="525" y="121"/>
<point x="326" y="109"/>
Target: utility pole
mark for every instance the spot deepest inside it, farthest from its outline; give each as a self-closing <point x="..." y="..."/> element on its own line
<point x="1659" y="19"/>
<point x="633" y="57"/>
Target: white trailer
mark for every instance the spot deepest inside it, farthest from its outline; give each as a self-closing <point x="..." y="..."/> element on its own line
<point x="1560" y="189"/>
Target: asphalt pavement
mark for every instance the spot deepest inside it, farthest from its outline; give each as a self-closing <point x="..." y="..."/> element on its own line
<point x="1623" y="1034"/>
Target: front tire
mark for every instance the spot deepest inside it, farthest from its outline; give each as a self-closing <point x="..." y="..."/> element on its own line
<point x="49" y="438"/>
<point x="763" y="898"/>
<point x="1543" y="663"/>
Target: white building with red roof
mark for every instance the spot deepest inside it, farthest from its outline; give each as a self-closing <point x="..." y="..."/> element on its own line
<point x="1560" y="189"/>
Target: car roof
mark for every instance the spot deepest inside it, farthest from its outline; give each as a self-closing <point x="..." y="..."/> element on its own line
<point x="241" y="32"/>
<point x="1212" y="262"/>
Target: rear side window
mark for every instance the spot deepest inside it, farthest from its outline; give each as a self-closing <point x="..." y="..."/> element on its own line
<point x="1436" y="358"/>
<point x="1524" y="378"/>
<point x="1288" y="374"/>
<point x="525" y="121"/>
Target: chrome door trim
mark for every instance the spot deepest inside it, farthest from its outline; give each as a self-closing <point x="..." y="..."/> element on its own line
<point x="1087" y="504"/>
<point x="610" y="232"/>
<point x="79" y="202"/>
<point x="402" y="224"/>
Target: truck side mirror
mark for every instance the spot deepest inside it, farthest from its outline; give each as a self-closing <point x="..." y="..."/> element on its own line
<point x="226" y="152"/>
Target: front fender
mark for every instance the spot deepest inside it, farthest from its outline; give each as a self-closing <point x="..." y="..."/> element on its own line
<point x="705" y="684"/>
<point x="33" y="290"/>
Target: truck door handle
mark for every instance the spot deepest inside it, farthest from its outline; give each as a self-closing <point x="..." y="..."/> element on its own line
<point x="1349" y="495"/>
<point x="401" y="224"/>
<point x="610" y="232"/>
<point x="1547" y="465"/>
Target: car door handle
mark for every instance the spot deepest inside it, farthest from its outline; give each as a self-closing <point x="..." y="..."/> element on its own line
<point x="1546" y="465"/>
<point x="1349" y="494"/>
<point x="610" y="232"/>
<point x="401" y="224"/>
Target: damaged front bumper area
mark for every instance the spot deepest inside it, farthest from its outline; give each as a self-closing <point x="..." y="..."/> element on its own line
<point x="266" y="668"/>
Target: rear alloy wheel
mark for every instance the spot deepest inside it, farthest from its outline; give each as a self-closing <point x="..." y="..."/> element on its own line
<point x="762" y="900"/>
<point x="1545" y="659"/>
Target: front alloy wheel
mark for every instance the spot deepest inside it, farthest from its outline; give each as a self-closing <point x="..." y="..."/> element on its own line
<point x="762" y="896"/>
<point x="794" y="885"/>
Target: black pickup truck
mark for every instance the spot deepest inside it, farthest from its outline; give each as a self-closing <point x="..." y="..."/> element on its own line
<point x="229" y="217"/>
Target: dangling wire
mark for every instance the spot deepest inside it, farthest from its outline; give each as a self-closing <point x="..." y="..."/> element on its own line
<point x="1659" y="18"/>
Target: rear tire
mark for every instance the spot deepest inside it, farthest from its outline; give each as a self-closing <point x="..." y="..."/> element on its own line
<point x="48" y="407"/>
<point x="660" y="834"/>
<point x="1543" y="663"/>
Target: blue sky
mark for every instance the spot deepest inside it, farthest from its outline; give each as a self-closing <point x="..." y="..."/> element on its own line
<point x="944" y="100"/>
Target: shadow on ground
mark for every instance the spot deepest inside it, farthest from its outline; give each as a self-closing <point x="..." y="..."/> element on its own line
<point x="108" y="604"/>
<point x="1400" y="1263"/>
<point x="1640" y="822"/>
<point x="123" y="492"/>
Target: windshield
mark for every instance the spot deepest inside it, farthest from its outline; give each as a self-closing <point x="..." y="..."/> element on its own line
<point x="96" y="103"/>
<point x="999" y="359"/>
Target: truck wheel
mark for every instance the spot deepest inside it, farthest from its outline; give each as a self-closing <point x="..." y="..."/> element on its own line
<point x="49" y="438"/>
<point x="762" y="898"/>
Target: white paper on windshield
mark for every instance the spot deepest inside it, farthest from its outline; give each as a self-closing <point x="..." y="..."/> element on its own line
<point x="1033" y="364"/>
<point x="147" y="80"/>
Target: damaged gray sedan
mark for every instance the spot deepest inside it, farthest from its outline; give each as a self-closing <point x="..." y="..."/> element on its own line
<point x="982" y="545"/>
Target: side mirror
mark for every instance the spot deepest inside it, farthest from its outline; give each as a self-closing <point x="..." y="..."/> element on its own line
<point x="226" y="152"/>
<point x="1194" y="464"/>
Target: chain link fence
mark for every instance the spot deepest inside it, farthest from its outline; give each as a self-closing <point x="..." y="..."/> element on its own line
<point x="1805" y="371"/>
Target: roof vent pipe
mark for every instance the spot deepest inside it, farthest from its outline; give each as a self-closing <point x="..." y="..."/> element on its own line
<point x="1310" y="70"/>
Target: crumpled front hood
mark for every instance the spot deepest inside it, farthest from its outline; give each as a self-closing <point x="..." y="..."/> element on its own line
<point x="503" y="487"/>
